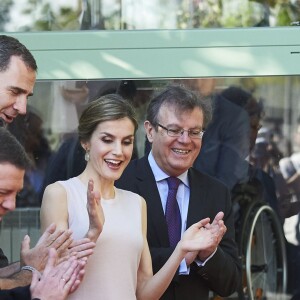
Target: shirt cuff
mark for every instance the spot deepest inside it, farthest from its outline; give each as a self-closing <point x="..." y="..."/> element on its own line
<point x="184" y="269"/>
<point x="202" y="263"/>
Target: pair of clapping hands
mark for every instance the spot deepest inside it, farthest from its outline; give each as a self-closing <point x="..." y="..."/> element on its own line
<point x="201" y="239"/>
<point x="57" y="262"/>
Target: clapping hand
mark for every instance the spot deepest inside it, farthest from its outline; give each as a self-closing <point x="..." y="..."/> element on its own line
<point x="196" y="237"/>
<point x="51" y="238"/>
<point x="218" y="229"/>
<point x="57" y="281"/>
<point x="202" y="238"/>
<point x="95" y="212"/>
<point x="61" y="241"/>
<point x="82" y="248"/>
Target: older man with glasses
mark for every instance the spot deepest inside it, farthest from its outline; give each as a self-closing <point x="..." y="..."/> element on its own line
<point x="175" y="123"/>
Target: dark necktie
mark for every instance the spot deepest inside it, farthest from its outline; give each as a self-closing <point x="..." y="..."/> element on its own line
<point x="173" y="217"/>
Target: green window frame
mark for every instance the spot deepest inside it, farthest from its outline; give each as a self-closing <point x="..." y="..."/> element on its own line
<point x="158" y="54"/>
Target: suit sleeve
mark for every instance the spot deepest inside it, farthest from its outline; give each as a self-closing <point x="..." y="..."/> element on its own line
<point x="222" y="272"/>
<point x="19" y="293"/>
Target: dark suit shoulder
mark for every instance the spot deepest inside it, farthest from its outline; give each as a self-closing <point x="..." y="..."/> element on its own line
<point x="136" y="169"/>
<point x="206" y="179"/>
<point x="132" y="166"/>
<point x="127" y="176"/>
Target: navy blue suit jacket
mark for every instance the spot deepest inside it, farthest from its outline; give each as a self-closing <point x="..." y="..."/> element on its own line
<point x="19" y="293"/>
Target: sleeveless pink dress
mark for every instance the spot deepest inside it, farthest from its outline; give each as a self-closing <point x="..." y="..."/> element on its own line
<point x="111" y="272"/>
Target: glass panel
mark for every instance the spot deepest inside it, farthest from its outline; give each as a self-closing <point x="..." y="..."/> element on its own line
<point x="252" y="142"/>
<point x="66" y="15"/>
<point x="55" y="107"/>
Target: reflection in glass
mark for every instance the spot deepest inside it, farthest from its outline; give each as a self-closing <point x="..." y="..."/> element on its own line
<point x="66" y="15"/>
<point x="252" y="143"/>
<point x="254" y="118"/>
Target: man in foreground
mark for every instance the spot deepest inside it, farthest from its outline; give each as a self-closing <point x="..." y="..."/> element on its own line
<point x="57" y="280"/>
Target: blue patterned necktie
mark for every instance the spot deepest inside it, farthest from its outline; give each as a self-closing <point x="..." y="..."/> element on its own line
<point x="173" y="217"/>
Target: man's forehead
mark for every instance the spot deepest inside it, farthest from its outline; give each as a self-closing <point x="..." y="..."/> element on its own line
<point x="10" y="172"/>
<point x="173" y="111"/>
<point x="19" y="77"/>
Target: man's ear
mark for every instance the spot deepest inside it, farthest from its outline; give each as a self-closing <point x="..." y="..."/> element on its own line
<point x="149" y="130"/>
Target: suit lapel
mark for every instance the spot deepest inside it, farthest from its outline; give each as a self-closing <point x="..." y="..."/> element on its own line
<point x="198" y="196"/>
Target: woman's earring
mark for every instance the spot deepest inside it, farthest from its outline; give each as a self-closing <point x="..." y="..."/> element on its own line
<point x="87" y="155"/>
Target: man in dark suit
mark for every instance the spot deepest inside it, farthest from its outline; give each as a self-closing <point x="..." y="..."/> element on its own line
<point x="175" y="121"/>
<point x="17" y="78"/>
<point x="57" y="280"/>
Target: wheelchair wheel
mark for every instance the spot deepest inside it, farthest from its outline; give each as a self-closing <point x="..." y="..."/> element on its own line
<point x="264" y="255"/>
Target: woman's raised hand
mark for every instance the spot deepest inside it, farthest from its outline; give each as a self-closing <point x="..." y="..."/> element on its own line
<point x="95" y="212"/>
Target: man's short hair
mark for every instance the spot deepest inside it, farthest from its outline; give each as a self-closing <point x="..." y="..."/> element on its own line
<point x="182" y="98"/>
<point x="11" y="151"/>
<point x="10" y="46"/>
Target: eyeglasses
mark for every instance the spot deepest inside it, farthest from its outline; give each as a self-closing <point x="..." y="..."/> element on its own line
<point x="193" y="133"/>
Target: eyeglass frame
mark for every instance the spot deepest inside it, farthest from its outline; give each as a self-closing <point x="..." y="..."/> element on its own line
<point x="181" y="131"/>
